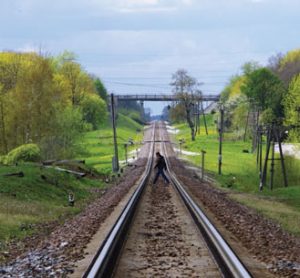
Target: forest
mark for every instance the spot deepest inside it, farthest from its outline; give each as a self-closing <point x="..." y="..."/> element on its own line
<point x="46" y="105"/>
<point x="273" y="92"/>
<point x="270" y="92"/>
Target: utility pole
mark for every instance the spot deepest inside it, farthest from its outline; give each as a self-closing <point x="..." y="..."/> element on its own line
<point x="273" y="136"/>
<point x="272" y="163"/>
<point x="277" y="134"/>
<point x="198" y="116"/>
<point x="221" y="137"/>
<point x="247" y="122"/>
<point x="116" y="157"/>
<point x="204" y="119"/>
<point x="259" y="150"/>
<point x="126" y="155"/>
<point x="203" y="161"/>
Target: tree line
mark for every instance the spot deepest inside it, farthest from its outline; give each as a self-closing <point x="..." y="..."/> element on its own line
<point x="49" y="101"/>
<point x="272" y="92"/>
<point x="267" y="94"/>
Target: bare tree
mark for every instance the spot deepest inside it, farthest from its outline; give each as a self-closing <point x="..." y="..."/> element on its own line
<point x="184" y="87"/>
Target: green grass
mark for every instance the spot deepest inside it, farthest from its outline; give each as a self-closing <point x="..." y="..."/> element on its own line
<point x="242" y="166"/>
<point x="287" y="215"/>
<point x="30" y="200"/>
<point x="99" y="144"/>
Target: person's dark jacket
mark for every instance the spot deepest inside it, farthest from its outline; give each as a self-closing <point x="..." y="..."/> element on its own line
<point x="161" y="163"/>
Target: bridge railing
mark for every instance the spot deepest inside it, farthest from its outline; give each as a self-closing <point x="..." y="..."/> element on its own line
<point x="162" y="97"/>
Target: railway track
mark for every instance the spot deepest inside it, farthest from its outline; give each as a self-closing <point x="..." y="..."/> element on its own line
<point x="155" y="236"/>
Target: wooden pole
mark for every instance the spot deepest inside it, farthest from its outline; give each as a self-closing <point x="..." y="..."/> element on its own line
<point x="116" y="156"/>
<point x="221" y="139"/>
<point x="203" y="161"/>
<point x="281" y="159"/>
<point x="264" y="173"/>
<point x="247" y="122"/>
<point x="204" y="119"/>
<point x="126" y="155"/>
<point x="272" y="159"/>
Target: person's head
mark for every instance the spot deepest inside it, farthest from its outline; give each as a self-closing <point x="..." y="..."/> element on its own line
<point x="158" y="154"/>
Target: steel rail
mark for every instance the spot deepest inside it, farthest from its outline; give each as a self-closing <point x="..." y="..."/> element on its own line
<point x="107" y="255"/>
<point x="228" y="261"/>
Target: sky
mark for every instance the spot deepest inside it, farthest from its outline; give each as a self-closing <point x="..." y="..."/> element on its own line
<point x="134" y="46"/>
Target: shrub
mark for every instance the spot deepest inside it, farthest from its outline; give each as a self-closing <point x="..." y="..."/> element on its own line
<point x="27" y="152"/>
<point x="2" y="159"/>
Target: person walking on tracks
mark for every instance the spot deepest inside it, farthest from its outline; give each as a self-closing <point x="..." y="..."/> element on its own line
<point x="160" y="166"/>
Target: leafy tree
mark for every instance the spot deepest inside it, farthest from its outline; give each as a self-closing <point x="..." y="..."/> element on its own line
<point x="184" y="87"/>
<point x="76" y="82"/>
<point x="237" y="116"/>
<point x="289" y="66"/>
<point x="177" y="113"/>
<point x="274" y="63"/>
<point x="100" y="89"/>
<point x="69" y="127"/>
<point x="292" y="108"/>
<point x="33" y="101"/>
<point x="43" y="98"/>
<point x="233" y="89"/>
<point x="265" y="90"/>
<point x="131" y="108"/>
<point x="250" y="67"/>
<point x="94" y="110"/>
<point x="9" y="70"/>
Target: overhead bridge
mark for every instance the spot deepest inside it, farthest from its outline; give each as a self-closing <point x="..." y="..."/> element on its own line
<point x="163" y="97"/>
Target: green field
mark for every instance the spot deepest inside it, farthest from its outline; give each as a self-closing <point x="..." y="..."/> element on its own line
<point x="38" y="197"/>
<point x="42" y="194"/>
<point x="99" y="144"/>
<point x="240" y="175"/>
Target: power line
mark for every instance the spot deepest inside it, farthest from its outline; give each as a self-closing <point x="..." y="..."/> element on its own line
<point x="180" y="54"/>
<point x="158" y="78"/>
<point x="157" y="85"/>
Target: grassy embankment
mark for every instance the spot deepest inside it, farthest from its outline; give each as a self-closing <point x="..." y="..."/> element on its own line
<point x="26" y="202"/>
<point x="281" y="204"/>
<point x="31" y="200"/>
<point x="99" y="143"/>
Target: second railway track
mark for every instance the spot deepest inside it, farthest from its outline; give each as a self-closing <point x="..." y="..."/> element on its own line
<point x="163" y="233"/>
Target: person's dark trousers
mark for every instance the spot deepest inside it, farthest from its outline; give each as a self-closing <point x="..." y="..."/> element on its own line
<point x="158" y="173"/>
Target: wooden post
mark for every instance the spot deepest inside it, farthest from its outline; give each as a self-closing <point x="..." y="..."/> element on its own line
<point x="203" y="161"/>
<point x="272" y="159"/>
<point x="281" y="158"/>
<point x="126" y="156"/>
<point x="221" y="138"/>
<point x="264" y="172"/>
<point x="198" y="116"/>
<point x="204" y="119"/>
<point x="113" y="116"/>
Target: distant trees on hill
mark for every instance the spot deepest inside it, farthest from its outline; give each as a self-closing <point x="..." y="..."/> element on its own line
<point x="47" y="100"/>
